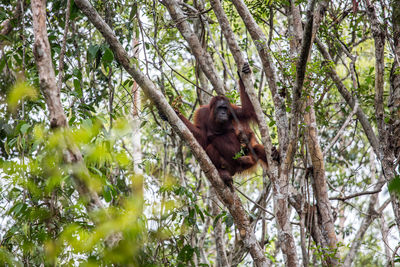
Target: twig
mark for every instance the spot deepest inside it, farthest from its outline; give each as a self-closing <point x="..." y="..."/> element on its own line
<point x="63" y="48"/>
<point x="355" y="195"/>
<point x="252" y="201"/>
<point x="341" y="131"/>
<point x="217" y="51"/>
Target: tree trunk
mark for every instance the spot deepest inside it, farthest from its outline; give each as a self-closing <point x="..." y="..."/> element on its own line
<point x="228" y="198"/>
<point x="47" y="79"/>
<point x="221" y="259"/>
<point x="320" y="186"/>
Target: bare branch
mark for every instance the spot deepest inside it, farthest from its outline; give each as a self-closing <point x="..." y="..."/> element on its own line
<point x="341" y="131"/>
<point x="6" y="26"/>
<point x="356" y="195"/>
<point x="301" y="66"/>
<point x="260" y="41"/>
<point x="319" y="183"/>
<point x="217" y="51"/>
<point x="255" y="203"/>
<point x="371" y="215"/>
<point x="201" y="55"/>
<point x="48" y="86"/>
<point x="228" y="198"/>
<point x="218" y="231"/>
<point x="351" y="100"/>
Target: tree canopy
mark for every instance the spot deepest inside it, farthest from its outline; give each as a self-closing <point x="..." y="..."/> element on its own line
<point x="91" y="174"/>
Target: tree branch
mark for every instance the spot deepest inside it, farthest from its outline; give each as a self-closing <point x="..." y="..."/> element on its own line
<point x="356" y="195"/>
<point x="63" y="47"/>
<point x="47" y="79"/>
<point x="379" y="38"/>
<point x="228" y="198"/>
<point x="200" y="54"/>
<point x="260" y="41"/>
<point x="372" y="214"/>
<point x="298" y="102"/>
<point x="351" y="101"/>
<point x="6" y="26"/>
<point x="247" y="78"/>
<point x="341" y="131"/>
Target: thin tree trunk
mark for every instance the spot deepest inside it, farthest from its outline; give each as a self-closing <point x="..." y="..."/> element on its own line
<point x="228" y="198"/>
<point x="201" y="55"/>
<point x="135" y="120"/>
<point x="350" y="100"/>
<point x="320" y="186"/>
<point x="260" y="41"/>
<point x="63" y="47"/>
<point x="385" y="233"/>
<point x="204" y="96"/>
<point x="367" y="220"/>
<point x="51" y="93"/>
<point x="372" y="214"/>
<point x="280" y="184"/>
<point x="6" y="26"/>
<point x="379" y="38"/>
<point x="391" y="151"/>
<point x="221" y="259"/>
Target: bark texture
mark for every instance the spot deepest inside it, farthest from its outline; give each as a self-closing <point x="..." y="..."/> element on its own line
<point x="204" y="59"/>
<point x="369" y="217"/>
<point x="228" y="198"/>
<point x="203" y="93"/>
<point x="350" y="100"/>
<point x="280" y="180"/>
<point x="324" y="230"/>
<point x="379" y="40"/>
<point x="320" y="187"/>
<point x="222" y="259"/>
<point x="391" y="152"/>
<point x="47" y="79"/>
<point x="51" y="93"/>
<point x="261" y="43"/>
<point x="6" y="26"/>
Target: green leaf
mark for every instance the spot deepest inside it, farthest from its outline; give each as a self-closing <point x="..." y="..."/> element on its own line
<point x="198" y="210"/>
<point x="218" y="217"/>
<point x="133" y="11"/>
<point x="271" y="123"/>
<point x="77" y="73"/>
<point x="16" y="209"/>
<point x="2" y="63"/>
<point x="92" y="51"/>
<point x="186" y="253"/>
<point x="108" y="56"/>
<point x="107" y="193"/>
<point x="394" y="185"/>
<point x="228" y="220"/>
<point x="77" y="86"/>
<point x="7" y="258"/>
<point x="24" y="128"/>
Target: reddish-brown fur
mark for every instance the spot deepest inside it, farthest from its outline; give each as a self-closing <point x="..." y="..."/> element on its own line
<point x="223" y="142"/>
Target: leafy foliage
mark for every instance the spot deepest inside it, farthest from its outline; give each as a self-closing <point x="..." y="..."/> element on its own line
<point x="156" y="200"/>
